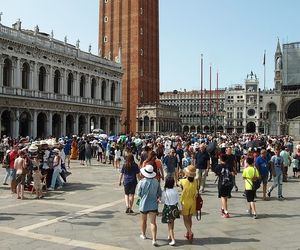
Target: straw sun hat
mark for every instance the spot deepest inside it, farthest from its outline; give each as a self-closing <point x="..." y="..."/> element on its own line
<point x="190" y="171"/>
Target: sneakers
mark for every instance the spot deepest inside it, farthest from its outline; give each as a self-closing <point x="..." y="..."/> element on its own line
<point x="249" y="211"/>
<point x="254" y="216"/>
<point x="172" y="243"/>
<point x="154" y="243"/>
<point x="226" y="215"/>
<point x="280" y="198"/>
<point x="222" y="211"/>
<point x="143" y="237"/>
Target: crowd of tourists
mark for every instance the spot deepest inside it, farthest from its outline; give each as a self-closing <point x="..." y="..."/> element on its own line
<point x="168" y="170"/>
<point x="181" y="165"/>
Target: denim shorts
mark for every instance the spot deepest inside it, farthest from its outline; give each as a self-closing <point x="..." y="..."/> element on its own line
<point x="264" y="179"/>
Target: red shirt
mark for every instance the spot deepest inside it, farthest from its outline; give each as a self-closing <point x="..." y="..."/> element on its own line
<point x="12" y="156"/>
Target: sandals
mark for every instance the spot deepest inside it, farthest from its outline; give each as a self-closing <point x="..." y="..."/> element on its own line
<point x="189" y="237"/>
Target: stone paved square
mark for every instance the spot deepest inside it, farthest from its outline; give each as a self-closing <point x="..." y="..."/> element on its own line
<point x="89" y="213"/>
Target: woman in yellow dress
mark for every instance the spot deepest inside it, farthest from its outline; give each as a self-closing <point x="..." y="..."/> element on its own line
<point x="188" y="199"/>
<point x="74" y="149"/>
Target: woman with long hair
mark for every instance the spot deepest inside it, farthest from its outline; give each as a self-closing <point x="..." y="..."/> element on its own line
<point x="156" y="164"/>
<point x="130" y="172"/>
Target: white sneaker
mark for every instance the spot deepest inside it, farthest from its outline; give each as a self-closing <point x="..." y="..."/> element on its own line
<point x="154" y="243"/>
<point x="172" y="243"/>
<point x="143" y="237"/>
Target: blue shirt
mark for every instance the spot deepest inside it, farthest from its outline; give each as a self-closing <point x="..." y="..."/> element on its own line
<point x="261" y="165"/>
<point x="130" y="176"/>
<point x="149" y="190"/>
<point x="67" y="148"/>
<point x="201" y="159"/>
<point x="277" y="163"/>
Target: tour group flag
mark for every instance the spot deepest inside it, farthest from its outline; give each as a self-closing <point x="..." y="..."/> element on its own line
<point x="264" y="61"/>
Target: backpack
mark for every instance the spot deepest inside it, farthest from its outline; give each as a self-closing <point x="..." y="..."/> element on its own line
<point x="6" y="160"/>
<point x="50" y="159"/>
<point x="226" y="179"/>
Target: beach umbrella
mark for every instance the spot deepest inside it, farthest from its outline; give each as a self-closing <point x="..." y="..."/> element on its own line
<point x="123" y="138"/>
<point x="138" y="141"/>
<point x="103" y="136"/>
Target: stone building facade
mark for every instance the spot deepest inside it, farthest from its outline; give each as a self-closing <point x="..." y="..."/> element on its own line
<point x="50" y="87"/>
<point x="158" y="119"/>
<point x="208" y="117"/>
<point x="251" y="110"/>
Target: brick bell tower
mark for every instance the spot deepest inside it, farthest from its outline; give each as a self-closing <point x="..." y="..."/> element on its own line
<point x="129" y="32"/>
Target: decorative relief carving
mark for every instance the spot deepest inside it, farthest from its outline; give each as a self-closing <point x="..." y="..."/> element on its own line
<point x="18" y="103"/>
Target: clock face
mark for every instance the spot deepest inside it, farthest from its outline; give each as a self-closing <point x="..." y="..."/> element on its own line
<point x="251" y="112"/>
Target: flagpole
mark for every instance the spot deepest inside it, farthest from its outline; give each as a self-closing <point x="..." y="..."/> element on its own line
<point x="265" y="70"/>
<point x="210" y="98"/>
<point x="201" y="95"/>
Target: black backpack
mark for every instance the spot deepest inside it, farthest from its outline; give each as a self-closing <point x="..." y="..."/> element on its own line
<point x="226" y="179"/>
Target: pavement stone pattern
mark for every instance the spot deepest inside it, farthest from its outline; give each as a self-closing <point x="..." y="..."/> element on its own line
<point x="89" y="213"/>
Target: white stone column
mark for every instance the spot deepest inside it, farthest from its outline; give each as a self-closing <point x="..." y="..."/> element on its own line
<point x="34" y="78"/>
<point x="16" y="81"/>
<point x="1" y="72"/>
<point x="88" y="123"/>
<point x="16" y="124"/>
<point x="50" y="82"/>
<point x="108" y="125"/>
<point x="76" y="124"/>
<point x="96" y="94"/>
<point x="100" y="88"/>
<point x="88" y="87"/>
<point x="34" y="125"/>
<point x="63" y="83"/>
<point x="64" y="122"/>
<point x="108" y="91"/>
<point x="49" y="124"/>
<point x="76" y="84"/>
<point x="117" y="119"/>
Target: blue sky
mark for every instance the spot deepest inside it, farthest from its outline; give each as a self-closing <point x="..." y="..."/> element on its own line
<point x="231" y="34"/>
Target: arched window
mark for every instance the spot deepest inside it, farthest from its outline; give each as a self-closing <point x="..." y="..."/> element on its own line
<point x="103" y="90"/>
<point x="70" y="84"/>
<point x="82" y="85"/>
<point x="93" y="88"/>
<point x="56" y="81"/>
<point x="7" y="72"/>
<point x="113" y="92"/>
<point x="25" y="76"/>
<point x="42" y="78"/>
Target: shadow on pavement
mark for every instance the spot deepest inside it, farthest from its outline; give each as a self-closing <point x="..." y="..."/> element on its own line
<point x="6" y="218"/>
<point x="263" y="216"/>
<point x="209" y="241"/>
<point x="73" y="186"/>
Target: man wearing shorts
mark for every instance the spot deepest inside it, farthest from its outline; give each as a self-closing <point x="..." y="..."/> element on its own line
<point x="262" y="167"/>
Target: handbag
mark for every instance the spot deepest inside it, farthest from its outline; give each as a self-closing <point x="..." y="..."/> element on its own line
<point x="255" y="183"/>
<point x="138" y="200"/>
<point x="5" y="165"/>
<point x="175" y="211"/>
<point x="199" y="202"/>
